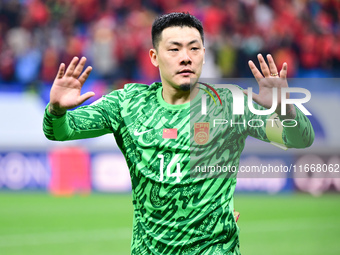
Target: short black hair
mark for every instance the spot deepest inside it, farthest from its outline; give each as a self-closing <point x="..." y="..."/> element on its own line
<point x="174" y="19"/>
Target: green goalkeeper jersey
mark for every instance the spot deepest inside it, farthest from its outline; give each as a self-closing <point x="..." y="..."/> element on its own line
<point x="175" y="211"/>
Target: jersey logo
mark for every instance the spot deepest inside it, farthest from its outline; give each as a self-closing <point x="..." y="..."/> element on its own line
<point x="201" y="132"/>
<point x="136" y="133"/>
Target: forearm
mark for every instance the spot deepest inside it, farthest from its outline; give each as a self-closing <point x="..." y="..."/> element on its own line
<point x="290" y="112"/>
<point x="74" y="125"/>
<point x="297" y="132"/>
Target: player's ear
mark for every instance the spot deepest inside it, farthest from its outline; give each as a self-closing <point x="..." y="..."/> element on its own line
<point x="153" y="57"/>
<point x="203" y="55"/>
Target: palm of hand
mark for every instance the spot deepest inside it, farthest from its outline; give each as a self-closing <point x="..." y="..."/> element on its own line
<point x="66" y="89"/>
<point x="269" y="80"/>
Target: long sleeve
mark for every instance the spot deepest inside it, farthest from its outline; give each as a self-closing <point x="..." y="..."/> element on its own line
<point x="78" y="124"/>
<point x="100" y="118"/>
<point x="297" y="133"/>
<point x="300" y="133"/>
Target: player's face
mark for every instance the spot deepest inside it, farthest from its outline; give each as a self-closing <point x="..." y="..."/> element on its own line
<point x="179" y="56"/>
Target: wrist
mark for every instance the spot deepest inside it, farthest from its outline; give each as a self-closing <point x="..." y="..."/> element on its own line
<point x="290" y="112"/>
<point x="56" y="110"/>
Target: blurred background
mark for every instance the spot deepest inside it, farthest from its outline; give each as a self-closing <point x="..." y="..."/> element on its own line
<point x="75" y="197"/>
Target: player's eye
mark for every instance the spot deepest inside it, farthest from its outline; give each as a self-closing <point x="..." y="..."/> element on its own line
<point x="195" y="48"/>
<point x="173" y="49"/>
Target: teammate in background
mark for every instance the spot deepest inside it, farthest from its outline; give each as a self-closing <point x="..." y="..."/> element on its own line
<point x="173" y="212"/>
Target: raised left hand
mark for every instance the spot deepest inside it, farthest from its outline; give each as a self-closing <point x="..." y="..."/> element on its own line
<point x="270" y="78"/>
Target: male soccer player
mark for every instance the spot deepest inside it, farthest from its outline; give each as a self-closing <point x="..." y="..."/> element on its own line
<point x="174" y="213"/>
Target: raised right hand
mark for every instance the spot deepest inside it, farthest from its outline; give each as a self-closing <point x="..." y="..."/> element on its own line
<point x="66" y="89"/>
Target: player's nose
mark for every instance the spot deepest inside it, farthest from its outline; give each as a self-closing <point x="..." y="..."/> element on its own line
<point x="185" y="58"/>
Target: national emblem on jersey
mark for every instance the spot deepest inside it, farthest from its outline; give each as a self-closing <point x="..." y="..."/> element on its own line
<point x="170" y="133"/>
<point x="201" y="132"/>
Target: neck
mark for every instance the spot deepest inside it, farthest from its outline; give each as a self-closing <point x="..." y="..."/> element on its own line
<point x="175" y="96"/>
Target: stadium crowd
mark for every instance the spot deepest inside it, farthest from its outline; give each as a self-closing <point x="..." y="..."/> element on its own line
<point x="36" y="35"/>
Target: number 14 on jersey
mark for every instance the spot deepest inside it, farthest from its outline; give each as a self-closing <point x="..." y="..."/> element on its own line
<point x="173" y="161"/>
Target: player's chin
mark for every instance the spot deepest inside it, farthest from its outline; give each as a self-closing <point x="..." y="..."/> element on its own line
<point x="188" y="80"/>
<point x="185" y="87"/>
<point x="185" y="83"/>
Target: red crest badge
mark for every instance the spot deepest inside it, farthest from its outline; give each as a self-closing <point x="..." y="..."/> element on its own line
<point x="201" y="132"/>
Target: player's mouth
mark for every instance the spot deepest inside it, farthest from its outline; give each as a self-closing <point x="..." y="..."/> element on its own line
<point x="185" y="72"/>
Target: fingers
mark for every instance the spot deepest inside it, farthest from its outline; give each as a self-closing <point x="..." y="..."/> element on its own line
<point x="79" y="68"/>
<point x="264" y="67"/>
<point x="85" y="75"/>
<point x="71" y="67"/>
<point x="85" y="96"/>
<point x="75" y="70"/>
<point x="266" y="71"/>
<point x="272" y="67"/>
<point x="283" y="72"/>
<point x="61" y="71"/>
<point x="269" y="70"/>
<point x="257" y="74"/>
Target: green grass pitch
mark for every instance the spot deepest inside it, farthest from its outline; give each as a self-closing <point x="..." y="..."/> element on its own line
<point x="100" y="224"/>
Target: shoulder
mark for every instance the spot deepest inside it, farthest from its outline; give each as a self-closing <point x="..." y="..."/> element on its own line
<point x="130" y="91"/>
<point x="133" y="89"/>
<point x="223" y="90"/>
